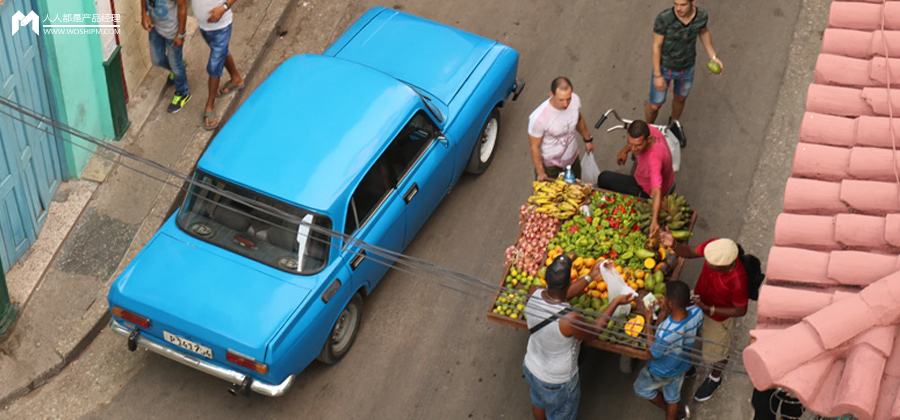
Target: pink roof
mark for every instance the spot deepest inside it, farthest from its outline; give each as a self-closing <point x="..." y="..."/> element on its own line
<point x="828" y="321"/>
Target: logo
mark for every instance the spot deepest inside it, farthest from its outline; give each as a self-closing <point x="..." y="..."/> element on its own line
<point x="19" y="20"/>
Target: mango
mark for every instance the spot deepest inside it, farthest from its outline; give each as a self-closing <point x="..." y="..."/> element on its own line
<point x="714" y="67"/>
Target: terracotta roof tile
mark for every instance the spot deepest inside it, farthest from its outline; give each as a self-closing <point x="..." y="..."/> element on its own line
<point x="827" y="321"/>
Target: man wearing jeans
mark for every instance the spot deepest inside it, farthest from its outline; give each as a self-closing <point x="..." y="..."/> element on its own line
<point x="164" y="21"/>
<point x="551" y="359"/>
<point x="675" y="34"/>
<point x="214" y="18"/>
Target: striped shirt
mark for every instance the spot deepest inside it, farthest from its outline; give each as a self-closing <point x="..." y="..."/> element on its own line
<point x="672" y="338"/>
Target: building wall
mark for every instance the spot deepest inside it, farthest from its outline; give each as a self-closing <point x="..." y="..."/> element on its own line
<point x="75" y="63"/>
<point x="133" y="39"/>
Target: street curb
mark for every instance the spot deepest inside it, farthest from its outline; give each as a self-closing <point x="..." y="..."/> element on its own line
<point x="104" y="316"/>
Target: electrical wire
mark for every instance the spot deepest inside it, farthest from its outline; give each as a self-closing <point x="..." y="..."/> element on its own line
<point x="387" y="258"/>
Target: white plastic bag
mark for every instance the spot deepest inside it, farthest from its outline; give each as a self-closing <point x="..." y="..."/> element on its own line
<point x="615" y="286"/>
<point x="589" y="169"/>
<point x="675" y="148"/>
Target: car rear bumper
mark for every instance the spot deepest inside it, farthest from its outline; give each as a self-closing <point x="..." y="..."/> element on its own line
<point x="229" y="375"/>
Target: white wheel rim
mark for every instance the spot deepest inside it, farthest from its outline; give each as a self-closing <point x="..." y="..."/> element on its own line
<point x="488" y="140"/>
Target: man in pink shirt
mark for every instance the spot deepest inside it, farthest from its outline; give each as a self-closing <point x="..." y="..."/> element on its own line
<point x="653" y="177"/>
<point x="551" y="128"/>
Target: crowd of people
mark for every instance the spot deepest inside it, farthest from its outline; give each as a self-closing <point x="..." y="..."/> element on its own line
<point x="721" y="291"/>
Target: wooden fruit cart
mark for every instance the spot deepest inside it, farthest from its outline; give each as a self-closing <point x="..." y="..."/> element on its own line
<point x="623" y="349"/>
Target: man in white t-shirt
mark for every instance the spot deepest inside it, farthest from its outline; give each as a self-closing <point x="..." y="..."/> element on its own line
<point x="552" y="127"/>
<point x="214" y="18"/>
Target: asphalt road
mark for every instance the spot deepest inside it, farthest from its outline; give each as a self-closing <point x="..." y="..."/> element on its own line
<point x="428" y="352"/>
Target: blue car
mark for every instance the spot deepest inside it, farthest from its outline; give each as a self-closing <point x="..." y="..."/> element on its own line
<point x="335" y="161"/>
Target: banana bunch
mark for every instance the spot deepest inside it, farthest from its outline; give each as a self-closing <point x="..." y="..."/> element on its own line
<point x="674" y="213"/>
<point x="557" y="198"/>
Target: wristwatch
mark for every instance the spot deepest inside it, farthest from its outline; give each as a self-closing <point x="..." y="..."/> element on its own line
<point x="179" y="36"/>
<point x="588" y="140"/>
<point x="227" y="6"/>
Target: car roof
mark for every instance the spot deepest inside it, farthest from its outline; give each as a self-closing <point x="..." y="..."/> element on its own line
<point x="432" y="56"/>
<point x="310" y="130"/>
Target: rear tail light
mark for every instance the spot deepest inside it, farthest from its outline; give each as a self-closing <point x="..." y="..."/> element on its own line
<point x="131" y="317"/>
<point x="246" y="361"/>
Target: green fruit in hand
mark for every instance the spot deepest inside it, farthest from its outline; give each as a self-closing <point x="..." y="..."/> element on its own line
<point x="714" y="67"/>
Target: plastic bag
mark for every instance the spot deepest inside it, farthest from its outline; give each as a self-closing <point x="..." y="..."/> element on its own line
<point x="674" y="147"/>
<point x="589" y="169"/>
<point x="615" y="286"/>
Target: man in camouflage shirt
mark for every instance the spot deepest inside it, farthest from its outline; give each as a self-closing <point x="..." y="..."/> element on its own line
<point x="675" y="34"/>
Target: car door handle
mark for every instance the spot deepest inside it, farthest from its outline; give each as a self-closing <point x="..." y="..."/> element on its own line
<point x="443" y="141"/>
<point x="358" y="259"/>
<point x="411" y="193"/>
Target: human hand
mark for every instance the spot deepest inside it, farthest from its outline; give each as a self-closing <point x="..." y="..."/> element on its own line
<point x="654" y="228"/>
<point x="696" y="301"/>
<point x="659" y="83"/>
<point x="595" y="271"/>
<point x="177" y="42"/>
<point x="666" y="239"/>
<point x="623" y="299"/>
<point x="589" y="147"/>
<point x="216" y="13"/>
<point x="146" y="22"/>
<point x="719" y="62"/>
<point x="622" y="157"/>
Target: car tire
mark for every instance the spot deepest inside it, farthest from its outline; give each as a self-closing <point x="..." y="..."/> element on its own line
<point x="343" y="333"/>
<point x="485" y="145"/>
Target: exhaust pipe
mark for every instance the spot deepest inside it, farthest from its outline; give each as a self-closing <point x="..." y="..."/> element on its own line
<point x="241" y="389"/>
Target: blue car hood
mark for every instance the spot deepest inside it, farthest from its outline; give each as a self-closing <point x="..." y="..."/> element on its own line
<point x="193" y="289"/>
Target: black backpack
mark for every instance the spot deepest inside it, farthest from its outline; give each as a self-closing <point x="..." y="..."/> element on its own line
<point x="755" y="276"/>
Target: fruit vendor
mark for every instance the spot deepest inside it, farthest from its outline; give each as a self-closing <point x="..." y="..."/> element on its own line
<point x="653" y="176"/>
<point x="721" y="293"/>
<point x="667" y="362"/>
<point x="552" y="127"/>
<point x="675" y="33"/>
<point x="551" y="359"/>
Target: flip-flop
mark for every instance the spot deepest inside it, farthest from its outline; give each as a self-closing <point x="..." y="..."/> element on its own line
<point x="228" y="89"/>
<point x="206" y="117"/>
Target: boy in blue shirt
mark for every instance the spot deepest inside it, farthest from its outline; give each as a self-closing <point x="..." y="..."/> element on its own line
<point x="668" y="359"/>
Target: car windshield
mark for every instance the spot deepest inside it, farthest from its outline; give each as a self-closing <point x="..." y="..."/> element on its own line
<point x="255" y="226"/>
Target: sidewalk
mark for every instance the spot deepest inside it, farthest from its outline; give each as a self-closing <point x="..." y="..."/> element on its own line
<point x="98" y="224"/>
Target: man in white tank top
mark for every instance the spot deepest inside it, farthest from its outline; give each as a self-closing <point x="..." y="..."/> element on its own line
<point x="551" y="360"/>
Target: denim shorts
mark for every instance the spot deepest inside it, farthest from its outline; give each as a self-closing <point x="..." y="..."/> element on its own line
<point x="680" y="79"/>
<point x="647" y="386"/>
<point x="218" y="49"/>
<point x="559" y="401"/>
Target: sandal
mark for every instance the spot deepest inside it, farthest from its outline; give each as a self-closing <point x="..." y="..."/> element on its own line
<point x="206" y="118"/>
<point x="229" y="88"/>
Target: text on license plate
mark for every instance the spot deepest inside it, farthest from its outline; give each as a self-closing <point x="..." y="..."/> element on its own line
<point x="188" y="345"/>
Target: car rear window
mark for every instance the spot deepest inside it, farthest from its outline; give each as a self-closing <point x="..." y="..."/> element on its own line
<point x="255" y="226"/>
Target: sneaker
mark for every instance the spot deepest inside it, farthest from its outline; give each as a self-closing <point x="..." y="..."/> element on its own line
<point x="170" y="81"/>
<point x="707" y="389"/>
<point x="690" y="372"/>
<point x="178" y="102"/>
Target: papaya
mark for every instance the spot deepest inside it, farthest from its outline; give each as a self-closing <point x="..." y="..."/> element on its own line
<point x="682" y="235"/>
<point x="659" y="277"/>
<point x="644" y="253"/>
<point x="660" y="288"/>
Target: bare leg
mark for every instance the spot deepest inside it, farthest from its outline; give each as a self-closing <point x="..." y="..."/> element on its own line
<point x="538" y="413"/>
<point x="211" y="102"/>
<point x="672" y="411"/>
<point x="659" y="402"/>
<point x="651" y="111"/>
<point x="717" y="370"/>
<point x="236" y="78"/>
<point x="677" y="106"/>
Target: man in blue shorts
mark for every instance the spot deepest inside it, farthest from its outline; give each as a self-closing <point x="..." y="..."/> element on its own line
<point x="675" y="33"/>
<point x="668" y="350"/>
<point x="214" y="18"/>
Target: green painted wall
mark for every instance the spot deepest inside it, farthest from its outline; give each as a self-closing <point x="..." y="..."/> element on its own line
<point x="76" y="75"/>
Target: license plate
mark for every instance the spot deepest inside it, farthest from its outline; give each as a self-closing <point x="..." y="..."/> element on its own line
<point x="188" y="345"/>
